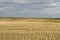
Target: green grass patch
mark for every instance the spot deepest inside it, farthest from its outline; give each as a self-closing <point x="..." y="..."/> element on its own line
<point x="54" y="20"/>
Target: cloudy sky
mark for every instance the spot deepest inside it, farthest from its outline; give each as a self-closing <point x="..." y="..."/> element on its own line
<point x="30" y="8"/>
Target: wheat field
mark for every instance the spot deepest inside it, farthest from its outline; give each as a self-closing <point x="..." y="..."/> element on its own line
<point x="36" y="29"/>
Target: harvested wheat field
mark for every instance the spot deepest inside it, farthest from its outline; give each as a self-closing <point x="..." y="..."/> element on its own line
<point x="29" y="30"/>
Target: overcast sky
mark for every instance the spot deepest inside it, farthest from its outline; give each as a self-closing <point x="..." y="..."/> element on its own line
<point x="30" y="8"/>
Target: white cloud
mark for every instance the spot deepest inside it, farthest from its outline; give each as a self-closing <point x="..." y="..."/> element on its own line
<point x="17" y="1"/>
<point x="53" y="4"/>
<point x="30" y="11"/>
<point x="49" y="10"/>
<point x="43" y="10"/>
<point x="52" y="10"/>
<point x="3" y="0"/>
<point x="57" y="7"/>
<point x="5" y="8"/>
<point x="26" y="11"/>
<point x="21" y="1"/>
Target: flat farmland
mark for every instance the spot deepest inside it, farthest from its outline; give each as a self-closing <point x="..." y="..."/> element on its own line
<point x="29" y="29"/>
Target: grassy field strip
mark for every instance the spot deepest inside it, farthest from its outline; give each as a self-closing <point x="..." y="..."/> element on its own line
<point x="26" y="30"/>
<point x="29" y="25"/>
<point x="30" y="36"/>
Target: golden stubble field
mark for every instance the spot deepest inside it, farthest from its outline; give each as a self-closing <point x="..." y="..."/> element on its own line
<point x="29" y="30"/>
